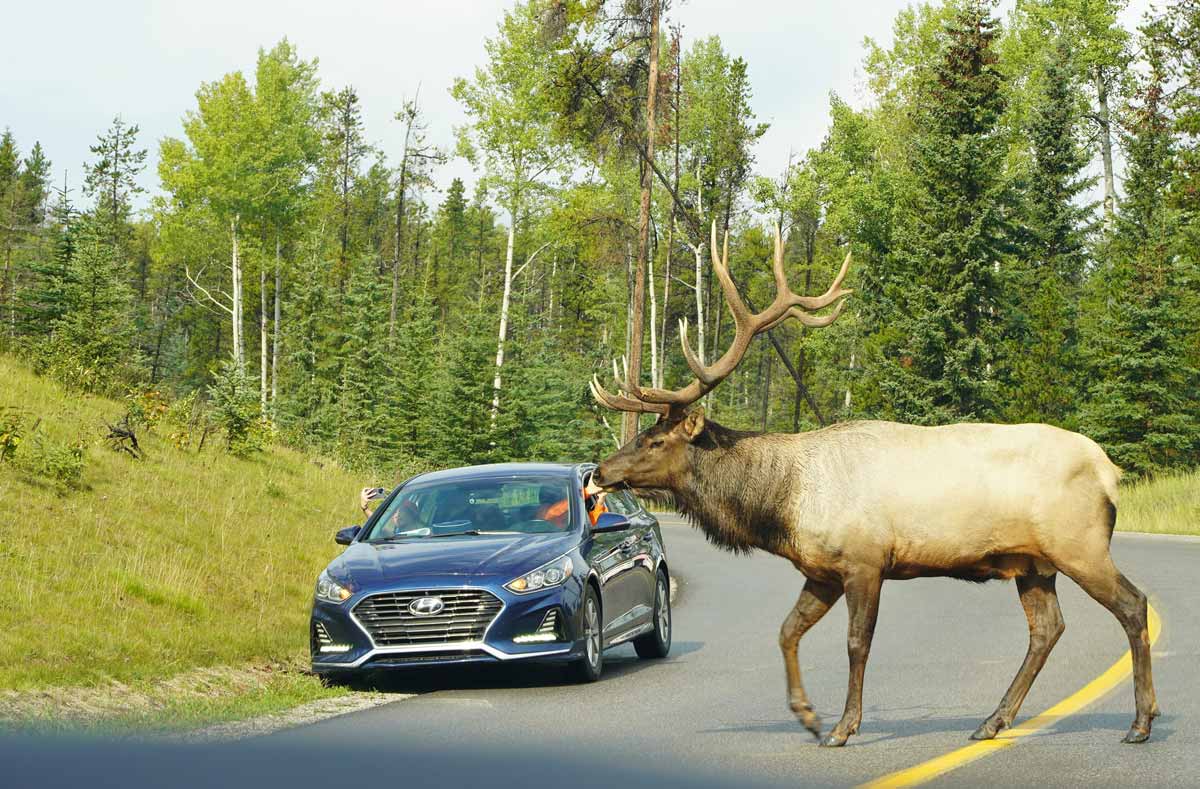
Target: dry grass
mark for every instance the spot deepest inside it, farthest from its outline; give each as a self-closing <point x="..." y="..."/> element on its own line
<point x="156" y="567"/>
<point x="1165" y="505"/>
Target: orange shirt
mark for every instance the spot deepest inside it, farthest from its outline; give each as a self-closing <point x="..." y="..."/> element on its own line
<point x="556" y="513"/>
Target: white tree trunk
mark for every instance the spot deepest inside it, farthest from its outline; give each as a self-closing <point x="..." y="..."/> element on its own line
<point x="275" y="332"/>
<point x="1106" y="155"/>
<point x="262" y="338"/>
<point x="846" y="404"/>
<point x="662" y="337"/>
<point x="239" y="356"/>
<point x="504" y="301"/>
<point x="698" y="251"/>
<point x="653" y="321"/>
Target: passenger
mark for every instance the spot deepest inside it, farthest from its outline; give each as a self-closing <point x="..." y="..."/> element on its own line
<point x="594" y="499"/>
<point x="554" y="508"/>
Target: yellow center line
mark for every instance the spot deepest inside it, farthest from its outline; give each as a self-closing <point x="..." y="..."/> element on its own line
<point x="1094" y="690"/>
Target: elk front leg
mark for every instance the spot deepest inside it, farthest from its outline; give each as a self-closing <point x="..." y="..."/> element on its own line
<point x="862" y="598"/>
<point x="816" y="599"/>
<point x="1040" y="601"/>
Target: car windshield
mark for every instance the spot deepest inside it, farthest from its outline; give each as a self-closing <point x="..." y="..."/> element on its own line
<point x="473" y="507"/>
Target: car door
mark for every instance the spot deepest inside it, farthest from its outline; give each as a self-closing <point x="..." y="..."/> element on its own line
<point x="641" y="548"/>
<point x="622" y="569"/>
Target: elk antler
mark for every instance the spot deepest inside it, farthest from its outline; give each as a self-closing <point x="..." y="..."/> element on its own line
<point x="747" y="325"/>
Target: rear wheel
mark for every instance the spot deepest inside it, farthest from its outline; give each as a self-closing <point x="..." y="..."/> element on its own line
<point x="589" y="667"/>
<point x="657" y="643"/>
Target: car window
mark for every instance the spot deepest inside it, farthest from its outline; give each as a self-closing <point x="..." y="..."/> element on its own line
<point x="622" y="503"/>
<point x="525" y="505"/>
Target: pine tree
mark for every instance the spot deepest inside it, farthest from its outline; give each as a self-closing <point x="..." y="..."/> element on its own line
<point x="92" y="346"/>
<point x="1144" y="310"/>
<point x="950" y="237"/>
<point x="1043" y="281"/>
<point x="44" y="298"/>
<point x="112" y="178"/>
<point x="366" y="405"/>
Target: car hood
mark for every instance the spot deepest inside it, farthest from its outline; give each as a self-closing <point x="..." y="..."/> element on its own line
<point x="368" y="564"/>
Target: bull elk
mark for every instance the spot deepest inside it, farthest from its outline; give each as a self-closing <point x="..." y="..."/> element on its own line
<point x="858" y="503"/>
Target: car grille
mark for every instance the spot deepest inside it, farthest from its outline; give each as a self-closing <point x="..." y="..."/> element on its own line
<point x="465" y="617"/>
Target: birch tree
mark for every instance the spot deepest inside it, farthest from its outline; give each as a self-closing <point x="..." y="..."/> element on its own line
<point x="510" y="136"/>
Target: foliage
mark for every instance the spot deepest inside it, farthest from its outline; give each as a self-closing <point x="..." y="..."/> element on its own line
<point x="235" y="410"/>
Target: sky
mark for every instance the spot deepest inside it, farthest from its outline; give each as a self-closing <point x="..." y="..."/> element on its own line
<point x="80" y="63"/>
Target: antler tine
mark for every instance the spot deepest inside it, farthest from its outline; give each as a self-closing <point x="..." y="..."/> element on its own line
<point x="832" y="294"/>
<point x="693" y="361"/>
<point x="746" y="326"/>
<point x="781" y="282"/>
<point x="622" y="403"/>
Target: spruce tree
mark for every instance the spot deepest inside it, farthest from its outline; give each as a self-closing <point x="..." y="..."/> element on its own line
<point x="1143" y="309"/>
<point x="92" y="347"/>
<point x="950" y="235"/>
<point x="1041" y="368"/>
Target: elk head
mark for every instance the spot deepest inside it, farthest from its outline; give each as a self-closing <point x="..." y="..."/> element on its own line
<point x="657" y="458"/>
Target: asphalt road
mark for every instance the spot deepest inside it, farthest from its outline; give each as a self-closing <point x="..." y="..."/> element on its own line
<point x="944" y="652"/>
<point x="714" y="714"/>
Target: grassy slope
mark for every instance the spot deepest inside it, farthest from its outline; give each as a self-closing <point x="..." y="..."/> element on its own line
<point x="160" y="566"/>
<point x="1167" y="505"/>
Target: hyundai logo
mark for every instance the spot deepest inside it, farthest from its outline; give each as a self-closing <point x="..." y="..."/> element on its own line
<point x="426" y="606"/>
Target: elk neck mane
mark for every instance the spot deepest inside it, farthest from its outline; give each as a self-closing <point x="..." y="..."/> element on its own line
<point x="743" y="487"/>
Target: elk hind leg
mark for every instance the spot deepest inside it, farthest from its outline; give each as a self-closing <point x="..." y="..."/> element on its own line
<point x="862" y="598"/>
<point x="815" y="600"/>
<point x="1107" y="586"/>
<point x="1040" y="601"/>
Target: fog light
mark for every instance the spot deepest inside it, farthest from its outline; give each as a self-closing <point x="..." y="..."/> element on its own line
<point x="335" y="648"/>
<point x="535" y="638"/>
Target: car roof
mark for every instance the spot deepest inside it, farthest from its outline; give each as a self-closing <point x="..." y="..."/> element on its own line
<point x="500" y="470"/>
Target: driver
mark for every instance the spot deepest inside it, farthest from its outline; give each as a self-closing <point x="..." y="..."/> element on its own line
<point x="553" y="509"/>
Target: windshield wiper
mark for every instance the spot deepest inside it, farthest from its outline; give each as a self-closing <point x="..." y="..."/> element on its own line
<point x="465" y="532"/>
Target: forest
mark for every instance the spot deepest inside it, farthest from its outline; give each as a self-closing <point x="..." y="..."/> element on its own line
<point x="1021" y="195"/>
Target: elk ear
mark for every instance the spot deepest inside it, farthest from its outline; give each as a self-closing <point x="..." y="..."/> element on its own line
<point x="693" y="423"/>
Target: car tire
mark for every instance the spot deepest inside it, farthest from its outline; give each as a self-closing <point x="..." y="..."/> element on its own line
<point x="657" y="643"/>
<point x="589" y="667"/>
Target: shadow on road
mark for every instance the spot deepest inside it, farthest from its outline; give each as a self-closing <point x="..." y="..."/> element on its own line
<point x="1102" y="725"/>
<point x="618" y="663"/>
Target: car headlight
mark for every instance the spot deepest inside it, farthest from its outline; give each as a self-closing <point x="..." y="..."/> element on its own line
<point x="549" y="574"/>
<point x="330" y="590"/>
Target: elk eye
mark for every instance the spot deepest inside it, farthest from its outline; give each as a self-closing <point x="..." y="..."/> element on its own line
<point x="656" y="443"/>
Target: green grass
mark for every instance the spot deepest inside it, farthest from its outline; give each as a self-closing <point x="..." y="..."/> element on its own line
<point x="150" y="569"/>
<point x="1164" y="505"/>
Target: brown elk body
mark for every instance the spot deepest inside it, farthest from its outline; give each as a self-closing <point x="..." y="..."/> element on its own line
<point x="859" y="503"/>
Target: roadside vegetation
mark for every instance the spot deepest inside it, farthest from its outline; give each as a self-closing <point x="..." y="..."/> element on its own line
<point x="1164" y="505"/>
<point x="135" y="571"/>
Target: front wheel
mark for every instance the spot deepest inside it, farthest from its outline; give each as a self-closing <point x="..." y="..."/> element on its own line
<point x="657" y="643"/>
<point x="589" y="667"/>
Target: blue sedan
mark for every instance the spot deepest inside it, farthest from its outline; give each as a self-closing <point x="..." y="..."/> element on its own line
<point x="488" y="564"/>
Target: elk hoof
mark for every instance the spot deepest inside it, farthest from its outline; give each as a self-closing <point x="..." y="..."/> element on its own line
<point x="806" y="716"/>
<point x="834" y="740"/>
<point x="1136" y="735"/>
<point x="988" y="729"/>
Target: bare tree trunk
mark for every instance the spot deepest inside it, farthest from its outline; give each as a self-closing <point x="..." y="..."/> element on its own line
<point x="846" y="404"/>
<point x="239" y="356"/>
<point x="399" y="239"/>
<point x="262" y="339"/>
<point x="504" y="302"/>
<point x="553" y="280"/>
<point x="698" y="251"/>
<point x="766" y="395"/>
<point x="630" y="424"/>
<point x="275" y="332"/>
<point x="1110" y="192"/>
<point x="653" y="322"/>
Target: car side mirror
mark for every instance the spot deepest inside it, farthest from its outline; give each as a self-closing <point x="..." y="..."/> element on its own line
<point x="610" y="521"/>
<point x="346" y="536"/>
